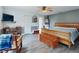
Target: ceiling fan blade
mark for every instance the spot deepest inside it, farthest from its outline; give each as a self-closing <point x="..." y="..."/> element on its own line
<point x="50" y="10"/>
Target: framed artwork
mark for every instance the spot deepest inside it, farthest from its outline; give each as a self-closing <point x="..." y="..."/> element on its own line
<point x="34" y="19"/>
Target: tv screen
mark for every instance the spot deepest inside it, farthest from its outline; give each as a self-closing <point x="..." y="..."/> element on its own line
<point x="7" y="17"/>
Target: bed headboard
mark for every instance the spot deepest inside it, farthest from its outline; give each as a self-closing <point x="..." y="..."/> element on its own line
<point x="71" y="25"/>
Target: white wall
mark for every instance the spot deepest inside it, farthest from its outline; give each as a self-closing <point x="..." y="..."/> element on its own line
<point x="1" y="11"/>
<point x="19" y="19"/>
<point x="22" y="19"/>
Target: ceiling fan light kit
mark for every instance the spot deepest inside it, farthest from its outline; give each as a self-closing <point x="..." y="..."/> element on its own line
<point x="46" y="9"/>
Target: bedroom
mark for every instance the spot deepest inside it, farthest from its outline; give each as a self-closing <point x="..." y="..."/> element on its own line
<point x="46" y="17"/>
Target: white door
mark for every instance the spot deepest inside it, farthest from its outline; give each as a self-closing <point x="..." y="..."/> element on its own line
<point x="27" y="24"/>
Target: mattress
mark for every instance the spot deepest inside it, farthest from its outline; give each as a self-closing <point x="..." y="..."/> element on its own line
<point x="71" y="37"/>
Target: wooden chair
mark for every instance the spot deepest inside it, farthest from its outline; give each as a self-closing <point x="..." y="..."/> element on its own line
<point x="17" y="43"/>
<point x="17" y="39"/>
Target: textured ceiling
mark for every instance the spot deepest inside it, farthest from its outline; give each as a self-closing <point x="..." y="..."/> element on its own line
<point x="36" y="9"/>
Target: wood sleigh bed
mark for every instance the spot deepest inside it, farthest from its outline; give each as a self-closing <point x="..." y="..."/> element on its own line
<point x="53" y="38"/>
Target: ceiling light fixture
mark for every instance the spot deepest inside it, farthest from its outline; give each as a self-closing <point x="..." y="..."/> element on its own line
<point x="46" y="9"/>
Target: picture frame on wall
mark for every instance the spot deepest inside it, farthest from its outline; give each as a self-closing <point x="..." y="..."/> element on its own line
<point x="34" y="19"/>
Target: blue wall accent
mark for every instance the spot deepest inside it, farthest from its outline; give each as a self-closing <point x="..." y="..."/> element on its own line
<point x="70" y="16"/>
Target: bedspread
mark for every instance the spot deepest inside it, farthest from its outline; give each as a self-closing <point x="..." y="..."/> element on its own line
<point x="73" y="32"/>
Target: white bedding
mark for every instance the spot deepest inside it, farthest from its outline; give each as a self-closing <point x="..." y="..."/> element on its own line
<point x="74" y="32"/>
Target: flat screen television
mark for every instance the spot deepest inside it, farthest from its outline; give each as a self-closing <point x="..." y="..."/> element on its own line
<point x="7" y="17"/>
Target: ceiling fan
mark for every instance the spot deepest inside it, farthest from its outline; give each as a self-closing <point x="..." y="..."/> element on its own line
<point x="46" y="9"/>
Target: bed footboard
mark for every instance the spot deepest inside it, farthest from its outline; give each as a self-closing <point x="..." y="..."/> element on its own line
<point x="61" y="37"/>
